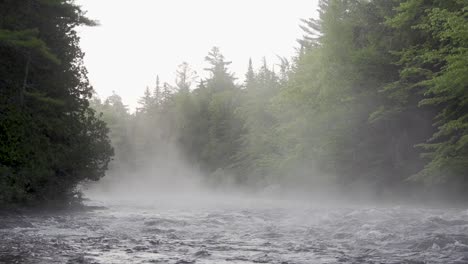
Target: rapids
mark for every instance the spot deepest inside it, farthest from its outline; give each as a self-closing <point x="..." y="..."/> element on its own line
<point x="239" y="232"/>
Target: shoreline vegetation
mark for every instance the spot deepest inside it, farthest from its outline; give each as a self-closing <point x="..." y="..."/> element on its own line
<point x="375" y="102"/>
<point x="51" y="140"/>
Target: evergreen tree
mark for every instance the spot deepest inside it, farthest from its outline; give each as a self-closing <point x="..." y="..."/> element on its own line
<point x="250" y="75"/>
<point x="50" y="139"/>
<point x="184" y="77"/>
<point x="146" y="102"/>
<point x="354" y="108"/>
<point x="435" y="65"/>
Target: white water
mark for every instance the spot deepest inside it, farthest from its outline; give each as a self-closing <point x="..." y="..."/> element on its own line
<point x="236" y="231"/>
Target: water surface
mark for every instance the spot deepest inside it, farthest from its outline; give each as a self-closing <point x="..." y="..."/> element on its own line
<point x="252" y="231"/>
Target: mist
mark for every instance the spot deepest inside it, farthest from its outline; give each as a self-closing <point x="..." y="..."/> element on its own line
<point x="161" y="35"/>
<point x="210" y="131"/>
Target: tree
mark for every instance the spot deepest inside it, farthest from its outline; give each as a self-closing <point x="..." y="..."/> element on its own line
<point x="146" y="102"/>
<point x="184" y="77"/>
<point x="51" y="139"/>
<point x="221" y="78"/>
<point x="250" y="75"/>
<point x="435" y="64"/>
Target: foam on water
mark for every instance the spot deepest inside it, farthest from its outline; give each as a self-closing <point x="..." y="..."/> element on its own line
<point x="237" y="231"/>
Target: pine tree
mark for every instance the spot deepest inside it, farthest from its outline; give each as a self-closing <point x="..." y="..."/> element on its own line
<point x="221" y="78"/>
<point x="435" y="65"/>
<point x="146" y="102"/>
<point x="51" y="139"/>
<point x="184" y="77"/>
<point x="250" y="75"/>
<point x="157" y="92"/>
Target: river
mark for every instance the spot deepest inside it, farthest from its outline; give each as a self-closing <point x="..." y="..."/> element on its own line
<point x="247" y="231"/>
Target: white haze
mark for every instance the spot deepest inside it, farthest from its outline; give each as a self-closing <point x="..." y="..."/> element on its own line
<point x="137" y="40"/>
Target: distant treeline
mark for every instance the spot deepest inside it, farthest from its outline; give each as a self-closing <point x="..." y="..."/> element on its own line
<point x="50" y="139"/>
<point x="376" y="97"/>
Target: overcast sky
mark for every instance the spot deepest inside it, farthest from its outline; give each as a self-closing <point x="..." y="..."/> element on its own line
<point x="139" y="39"/>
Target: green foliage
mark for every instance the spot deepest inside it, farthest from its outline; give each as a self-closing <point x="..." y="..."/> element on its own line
<point x="50" y="140"/>
<point x="375" y="98"/>
<point x="27" y="39"/>
<point x="439" y="66"/>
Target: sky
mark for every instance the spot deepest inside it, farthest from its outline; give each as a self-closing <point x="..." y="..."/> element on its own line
<point x="140" y="39"/>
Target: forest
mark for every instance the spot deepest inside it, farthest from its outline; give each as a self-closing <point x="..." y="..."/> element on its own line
<point x="50" y="138"/>
<point x="375" y="99"/>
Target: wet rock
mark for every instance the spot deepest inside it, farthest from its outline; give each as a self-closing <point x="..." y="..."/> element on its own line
<point x="106" y="247"/>
<point x="140" y="248"/>
<point x="172" y="236"/>
<point x="202" y="253"/>
<point x="154" y="242"/>
<point x="342" y="235"/>
<point x="264" y="258"/>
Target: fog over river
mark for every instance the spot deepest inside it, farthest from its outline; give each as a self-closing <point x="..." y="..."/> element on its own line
<point x="202" y="229"/>
<point x="235" y="132"/>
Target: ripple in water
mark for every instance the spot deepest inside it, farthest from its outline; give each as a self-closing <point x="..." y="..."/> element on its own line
<point x="237" y="234"/>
